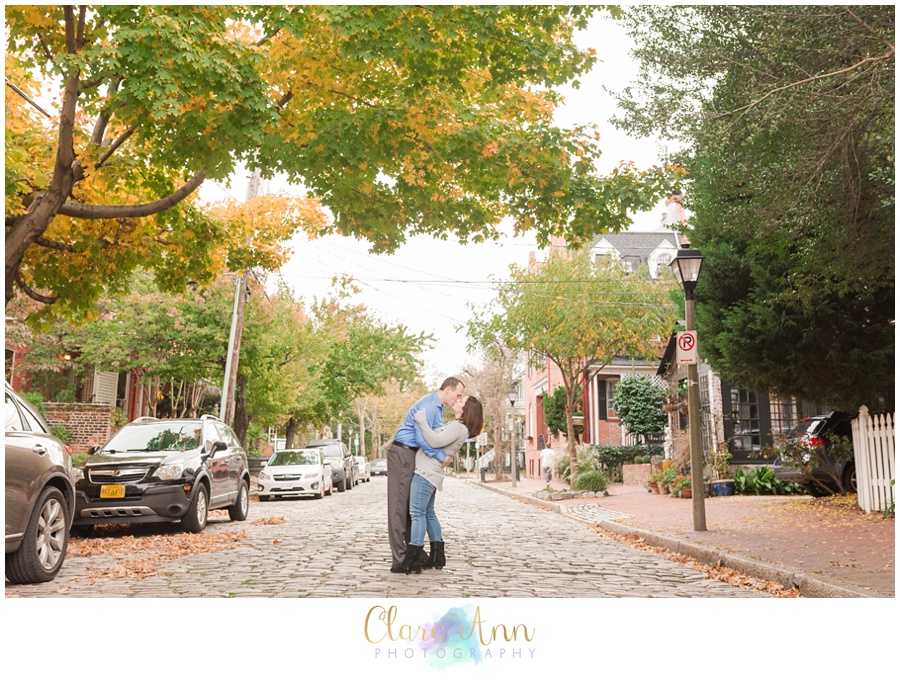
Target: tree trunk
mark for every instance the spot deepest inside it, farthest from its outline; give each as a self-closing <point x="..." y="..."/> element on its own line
<point x="290" y="433"/>
<point x="570" y="434"/>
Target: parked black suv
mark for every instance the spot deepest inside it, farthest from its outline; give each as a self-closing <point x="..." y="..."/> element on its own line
<point x="344" y="471"/>
<point x="155" y="470"/>
<point x="820" y="462"/>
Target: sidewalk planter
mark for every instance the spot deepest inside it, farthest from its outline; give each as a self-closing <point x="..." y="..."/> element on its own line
<point x="724" y="487"/>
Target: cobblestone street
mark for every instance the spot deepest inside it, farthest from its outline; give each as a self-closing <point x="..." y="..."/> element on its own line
<point x="337" y="547"/>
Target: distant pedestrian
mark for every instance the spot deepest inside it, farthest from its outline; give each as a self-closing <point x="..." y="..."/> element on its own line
<point x="547" y="457"/>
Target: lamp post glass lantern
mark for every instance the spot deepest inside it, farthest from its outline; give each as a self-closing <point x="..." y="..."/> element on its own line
<point x="686" y="267"/>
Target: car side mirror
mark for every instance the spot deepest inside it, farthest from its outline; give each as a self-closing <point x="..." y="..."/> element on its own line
<point x="93" y="449"/>
<point x="218" y="446"/>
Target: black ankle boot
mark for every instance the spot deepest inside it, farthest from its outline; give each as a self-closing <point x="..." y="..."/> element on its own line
<point x="429" y="561"/>
<point x="437" y="555"/>
<point x="412" y="561"/>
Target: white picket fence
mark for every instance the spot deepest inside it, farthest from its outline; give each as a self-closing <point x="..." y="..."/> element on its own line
<point x="873" y="450"/>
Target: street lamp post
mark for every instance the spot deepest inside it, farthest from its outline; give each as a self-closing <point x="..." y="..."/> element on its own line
<point x="513" y="395"/>
<point x="686" y="267"/>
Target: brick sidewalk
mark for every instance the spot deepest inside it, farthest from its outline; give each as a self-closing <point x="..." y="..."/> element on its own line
<point x="822" y="542"/>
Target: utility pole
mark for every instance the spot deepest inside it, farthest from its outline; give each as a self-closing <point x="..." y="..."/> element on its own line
<point x="226" y="409"/>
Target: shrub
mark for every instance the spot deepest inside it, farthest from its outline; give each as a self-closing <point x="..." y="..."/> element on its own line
<point x="586" y="462"/>
<point x="611" y="458"/>
<point x="638" y="403"/>
<point x="763" y="482"/>
<point x="36" y="399"/>
<point x="61" y="432"/>
<point x="595" y="480"/>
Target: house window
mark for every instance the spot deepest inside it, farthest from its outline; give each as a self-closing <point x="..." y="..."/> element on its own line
<point x="610" y="392"/>
<point x="784" y="415"/>
<point x="745" y="413"/>
<point x="705" y="422"/>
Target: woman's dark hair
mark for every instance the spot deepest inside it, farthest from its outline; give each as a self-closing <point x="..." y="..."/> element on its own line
<point x="473" y="416"/>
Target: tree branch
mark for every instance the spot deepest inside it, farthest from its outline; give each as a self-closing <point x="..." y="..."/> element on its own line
<point x="115" y="144"/>
<point x="32" y="294"/>
<point x="56" y="246"/>
<point x="78" y="210"/>
<point x="887" y="55"/>
<point x="867" y="27"/>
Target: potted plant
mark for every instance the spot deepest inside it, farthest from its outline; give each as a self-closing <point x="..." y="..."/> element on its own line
<point x="668" y="476"/>
<point x="653" y="481"/>
<point x="682" y="485"/>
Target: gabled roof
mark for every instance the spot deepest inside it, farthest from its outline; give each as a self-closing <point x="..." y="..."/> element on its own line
<point x="640" y="244"/>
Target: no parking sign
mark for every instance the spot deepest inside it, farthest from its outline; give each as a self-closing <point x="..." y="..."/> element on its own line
<point x="686" y="348"/>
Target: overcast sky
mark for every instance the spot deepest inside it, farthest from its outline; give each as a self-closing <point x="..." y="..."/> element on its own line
<point x="428" y="284"/>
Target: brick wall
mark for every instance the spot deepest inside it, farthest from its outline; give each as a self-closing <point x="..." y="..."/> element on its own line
<point x="609" y="432"/>
<point x="89" y="423"/>
<point x="636" y="474"/>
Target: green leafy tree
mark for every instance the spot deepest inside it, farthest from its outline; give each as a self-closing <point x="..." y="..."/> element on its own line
<point x="579" y="314"/>
<point x="427" y="119"/>
<point x="638" y="403"/>
<point x="785" y="118"/>
<point x="555" y="410"/>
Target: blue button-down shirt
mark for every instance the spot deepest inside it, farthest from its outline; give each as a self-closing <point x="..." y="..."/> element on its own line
<point x="411" y="434"/>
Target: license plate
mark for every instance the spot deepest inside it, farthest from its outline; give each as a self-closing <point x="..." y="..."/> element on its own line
<point x="112" y="491"/>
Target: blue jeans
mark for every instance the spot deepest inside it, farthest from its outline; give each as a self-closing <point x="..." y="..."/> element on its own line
<point x="421" y="510"/>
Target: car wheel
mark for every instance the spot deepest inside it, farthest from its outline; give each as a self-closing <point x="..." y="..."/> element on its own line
<point x="238" y="511"/>
<point x="848" y="478"/>
<point x="195" y="520"/>
<point x="349" y="481"/>
<point x="44" y="544"/>
<point x="342" y="485"/>
<point x="330" y="488"/>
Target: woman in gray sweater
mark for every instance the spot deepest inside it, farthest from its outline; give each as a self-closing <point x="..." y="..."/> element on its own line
<point x="429" y="479"/>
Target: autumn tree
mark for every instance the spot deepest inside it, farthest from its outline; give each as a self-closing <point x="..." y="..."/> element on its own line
<point x="402" y="120"/>
<point x="580" y="315"/>
<point x="785" y="118"/>
<point x="490" y="383"/>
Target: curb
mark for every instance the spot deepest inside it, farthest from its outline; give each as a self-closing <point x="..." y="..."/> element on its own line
<point x="809" y="586"/>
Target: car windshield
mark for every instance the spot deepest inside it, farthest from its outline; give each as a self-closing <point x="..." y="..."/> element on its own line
<point x="294" y="458"/>
<point x="156" y="436"/>
<point x="332" y="451"/>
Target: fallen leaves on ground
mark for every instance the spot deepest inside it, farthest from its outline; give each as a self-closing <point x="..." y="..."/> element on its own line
<point x="264" y="521"/>
<point x="146" y="553"/>
<point x="717" y="572"/>
<point x="833" y="511"/>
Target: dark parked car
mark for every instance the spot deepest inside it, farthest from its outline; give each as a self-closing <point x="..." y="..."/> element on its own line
<point x="821" y="463"/>
<point x="344" y="472"/>
<point x="40" y="494"/>
<point x="155" y="470"/>
<point x="379" y="467"/>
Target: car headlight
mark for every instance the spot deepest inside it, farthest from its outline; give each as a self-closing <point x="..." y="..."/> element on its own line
<point x="168" y="472"/>
<point x="77" y="473"/>
<point x="263" y="475"/>
<point x="311" y="475"/>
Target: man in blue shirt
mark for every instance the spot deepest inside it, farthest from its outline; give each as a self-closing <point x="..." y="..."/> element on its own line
<point x="401" y="463"/>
